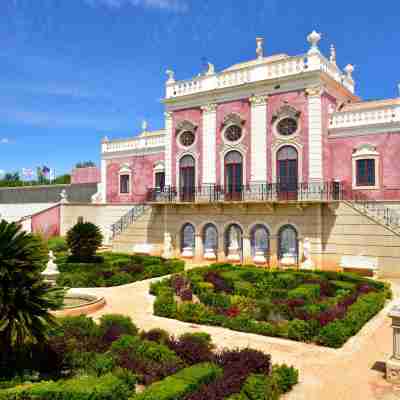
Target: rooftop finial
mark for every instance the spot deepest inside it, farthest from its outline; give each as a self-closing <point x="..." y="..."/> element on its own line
<point x="349" y="69"/>
<point x="259" y="49"/>
<point x="170" y="73"/>
<point x="333" y="54"/>
<point x="144" y="125"/>
<point x="313" y="38"/>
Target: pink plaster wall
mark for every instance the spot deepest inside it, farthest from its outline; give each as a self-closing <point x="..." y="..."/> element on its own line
<point x="193" y="115"/>
<point x="241" y="107"/>
<point x="141" y="178"/>
<point x="388" y="146"/>
<point x="85" y="175"/>
<point x="47" y="222"/>
<point x="299" y="101"/>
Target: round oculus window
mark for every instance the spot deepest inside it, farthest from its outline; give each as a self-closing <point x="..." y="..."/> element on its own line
<point x="233" y="133"/>
<point x="287" y="126"/>
<point x="186" y="138"/>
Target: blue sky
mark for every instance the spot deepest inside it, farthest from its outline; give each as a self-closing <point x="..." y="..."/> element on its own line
<point x="72" y="71"/>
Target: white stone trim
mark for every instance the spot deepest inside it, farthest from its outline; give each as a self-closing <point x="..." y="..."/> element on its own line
<point x="104" y="181"/>
<point x="365" y="152"/>
<point x="259" y="134"/>
<point x="168" y="148"/>
<point x="299" y="149"/>
<point x="159" y="166"/>
<point x="209" y="151"/>
<point x="125" y="170"/>
<point x="196" y="163"/>
<point x="315" y="167"/>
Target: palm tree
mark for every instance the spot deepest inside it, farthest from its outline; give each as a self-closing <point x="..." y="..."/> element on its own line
<point x="25" y="298"/>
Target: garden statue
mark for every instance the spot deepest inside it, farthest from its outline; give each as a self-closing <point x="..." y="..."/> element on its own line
<point x="171" y="78"/>
<point x="393" y="363"/>
<point x="63" y="196"/>
<point x="233" y="249"/>
<point x="211" y="69"/>
<point x="167" y="253"/>
<point x="307" y="263"/>
<point x="51" y="270"/>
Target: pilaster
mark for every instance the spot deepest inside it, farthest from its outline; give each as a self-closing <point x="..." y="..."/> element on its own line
<point x="259" y="134"/>
<point x="168" y="148"/>
<point x="209" y="150"/>
<point x="315" y="167"/>
<point x="103" y="181"/>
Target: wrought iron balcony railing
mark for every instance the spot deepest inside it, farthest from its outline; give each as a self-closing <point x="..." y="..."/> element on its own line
<point x="268" y="192"/>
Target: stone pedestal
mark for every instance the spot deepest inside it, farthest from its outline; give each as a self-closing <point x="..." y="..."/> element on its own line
<point x="393" y="364"/>
<point x="209" y="254"/>
<point x="187" y="252"/>
<point x="233" y="254"/>
<point x="51" y="272"/>
<point x="259" y="258"/>
<point x="167" y="252"/>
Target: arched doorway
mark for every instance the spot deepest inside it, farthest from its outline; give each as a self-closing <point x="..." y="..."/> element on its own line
<point x="233" y="176"/>
<point x="287" y="172"/>
<point x="187" y="240"/>
<point x="210" y="241"/>
<point x="234" y="243"/>
<point x="187" y="180"/>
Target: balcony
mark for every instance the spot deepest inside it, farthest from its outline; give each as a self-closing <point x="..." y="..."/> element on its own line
<point x="261" y="193"/>
<point x="137" y="144"/>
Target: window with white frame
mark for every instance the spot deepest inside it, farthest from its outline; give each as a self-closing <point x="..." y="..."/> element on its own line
<point x="124" y="183"/>
<point x="365" y="167"/>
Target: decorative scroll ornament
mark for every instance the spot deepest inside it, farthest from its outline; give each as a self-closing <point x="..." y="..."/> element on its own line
<point x="207" y="108"/>
<point x="185" y="125"/>
<point x="258" y="100"/>
<point x="286" y="111"/>
<point x="233" y="119"/>
<point x="365" y="150"/>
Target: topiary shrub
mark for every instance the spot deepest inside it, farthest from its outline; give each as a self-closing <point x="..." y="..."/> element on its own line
<point x="334" y="334"/>
<point x="83" y="240"/>
<point x="260" y="387"/>
<point x="286" y="377"/>
<point x="300" y="330"/>
<point x="113" y="326"/>
<point x="193" y="348"/>
<point x="156" y="335"/>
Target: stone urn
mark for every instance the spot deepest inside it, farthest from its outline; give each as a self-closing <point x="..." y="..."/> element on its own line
<point x="259" y="258"/>
<point x="393" y="363"/>
<point x="209" y="254"/>
<point x="187" y="252"/>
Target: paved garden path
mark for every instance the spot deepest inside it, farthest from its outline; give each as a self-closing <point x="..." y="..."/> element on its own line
<point x="353" y="372"/>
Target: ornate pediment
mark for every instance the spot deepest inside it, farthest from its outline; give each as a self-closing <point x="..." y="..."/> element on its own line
<point x="286" y="111"/>
<point x="233" y="119"/>
<point x="365" y="150"/>
<point x="185" y="125"/>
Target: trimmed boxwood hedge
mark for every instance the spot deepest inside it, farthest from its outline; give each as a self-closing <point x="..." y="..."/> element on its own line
<point x="106" y="387"/>
<point x="177" y="386"/>
<point x="113" y="269"/>
<point x="323" y="307"/>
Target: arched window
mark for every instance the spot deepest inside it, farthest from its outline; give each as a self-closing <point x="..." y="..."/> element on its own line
<point x="187" y="178"/>
<point x="234" y="243"/>
<point x="288" y="244"/>
<point x="259" y="239"/>
<point x="187" y="237"/>
<point x="365" y="167"/>
<point x="287" y="172"/>
<point x="233" y="175"/>
<point x="210" y="238"/>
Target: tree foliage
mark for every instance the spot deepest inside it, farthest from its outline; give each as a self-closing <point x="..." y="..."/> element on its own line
<point x="83" y="239"/>
<point x="25" y="298"/>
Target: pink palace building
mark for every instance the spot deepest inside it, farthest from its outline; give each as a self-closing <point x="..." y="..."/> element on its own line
<point x="275" y="160"/>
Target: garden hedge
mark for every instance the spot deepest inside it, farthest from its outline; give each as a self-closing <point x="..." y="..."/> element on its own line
<point x="324" y="307"/>
<point x="177" y="386"/>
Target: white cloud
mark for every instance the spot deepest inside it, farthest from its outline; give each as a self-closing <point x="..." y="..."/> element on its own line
<point x="5" y="141"/>
<point x="167" y="5"/>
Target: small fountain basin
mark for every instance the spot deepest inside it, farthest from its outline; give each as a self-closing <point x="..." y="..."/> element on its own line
<point x="79" y="304"/>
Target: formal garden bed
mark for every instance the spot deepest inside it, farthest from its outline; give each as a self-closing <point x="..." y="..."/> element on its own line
<point x="112" y="269"/>
<point x="82" y="360"/>
<point x="320" y="307"/>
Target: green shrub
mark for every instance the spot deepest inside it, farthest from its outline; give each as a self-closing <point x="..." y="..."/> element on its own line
<point x="286" y="280"/>
<point x="343" y="285"/>
<point x="156" y="286"/>
<point x="334" y="334"/>
<point x="260" y="387"/>
<point x="286" y="377"/>
<point x="121" y="278"/>
<point x="83" y="239"/>
<point x="165" y="305"/>
<point x="106" y="387"/>
<point x="57" y="244"/>
<point x="101" y="364"/>
<point x="244" y="289"/>
<point x="176" y="387"/>
<point x="265" y="307"/>
<point x="219" y="300"/>
<point x="308" y="293"/>
<point x="193" y="312"/>
<point x="300" y="330"/>
<point x="113" y="326"/>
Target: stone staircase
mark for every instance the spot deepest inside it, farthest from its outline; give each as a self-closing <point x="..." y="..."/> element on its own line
<point x="135" y="228"/>
<point x="385" y="216"/>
